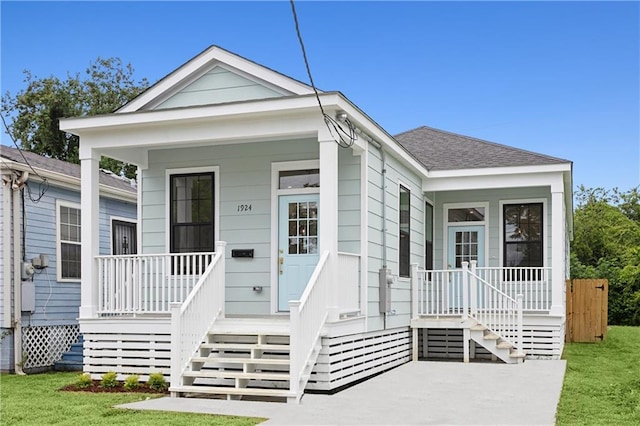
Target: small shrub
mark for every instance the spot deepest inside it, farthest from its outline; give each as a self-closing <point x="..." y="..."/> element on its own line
<point x="84" y="381"/>
<point x="132" y="382"/>
<point x="109" y="380"/>
<point x="157" y="382"/>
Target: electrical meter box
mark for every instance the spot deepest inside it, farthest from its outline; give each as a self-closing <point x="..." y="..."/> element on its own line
<point x="28" y="296"/>
<point x="385" y="281"/>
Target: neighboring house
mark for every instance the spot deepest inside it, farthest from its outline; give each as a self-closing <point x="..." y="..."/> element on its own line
<point x="274" y="260"/>
<point x="43" y="236"/>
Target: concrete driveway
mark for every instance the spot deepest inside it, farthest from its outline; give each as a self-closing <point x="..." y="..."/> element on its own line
<point x="417" y="393"/>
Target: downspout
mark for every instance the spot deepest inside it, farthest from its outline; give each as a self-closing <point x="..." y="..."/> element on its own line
<point x="16" y="186"/>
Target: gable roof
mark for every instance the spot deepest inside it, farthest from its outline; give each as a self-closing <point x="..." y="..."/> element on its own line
<point x="53" y="165"/>
<point x="441" y="150"/>
<point x="273" y="82"/>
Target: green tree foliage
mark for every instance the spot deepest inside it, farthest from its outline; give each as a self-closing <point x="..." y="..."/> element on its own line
<point x="106" y="85"/>
<point x="606" y="244"/>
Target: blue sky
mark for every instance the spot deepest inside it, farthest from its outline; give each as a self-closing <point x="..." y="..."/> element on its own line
<point x="560" y="78"/>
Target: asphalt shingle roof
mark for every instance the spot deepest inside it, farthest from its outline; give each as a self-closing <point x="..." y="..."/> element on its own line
<point x="440" y="150"/>
<point x="62" y="167"/>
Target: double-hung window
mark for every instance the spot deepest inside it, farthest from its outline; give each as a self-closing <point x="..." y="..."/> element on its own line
<point x="68" y="247"/>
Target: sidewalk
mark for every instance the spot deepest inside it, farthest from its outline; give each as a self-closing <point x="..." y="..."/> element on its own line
<point x="426" y="393"/>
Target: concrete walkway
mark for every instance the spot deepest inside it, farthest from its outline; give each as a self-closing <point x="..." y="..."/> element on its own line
<point x="417" y="393"/>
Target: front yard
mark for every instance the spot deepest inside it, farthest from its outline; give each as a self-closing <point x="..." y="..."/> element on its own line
<point x="36" y="400"/>
<point x="602" y="382"/>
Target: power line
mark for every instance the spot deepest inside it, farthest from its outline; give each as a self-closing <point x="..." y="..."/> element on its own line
<point x="43" y="186"/>
<point x="330" y="122"/>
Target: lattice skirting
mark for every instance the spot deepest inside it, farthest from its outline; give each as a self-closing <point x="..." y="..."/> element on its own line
<point x="348" y="359"/>
<point x="43" y="346"/>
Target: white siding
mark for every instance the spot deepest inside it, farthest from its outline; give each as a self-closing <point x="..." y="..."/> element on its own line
<point x="245" y="176"/>
<point x="218" y="86"/>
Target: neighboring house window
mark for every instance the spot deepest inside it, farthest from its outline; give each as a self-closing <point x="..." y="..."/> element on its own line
<point x="192" y="213"/>
<point x="428" y="232"/>
<point x="123" y="237"/>
<point x="405" y="240"/>
<point x="523" y="229"/>
<point x="69" y="247"/>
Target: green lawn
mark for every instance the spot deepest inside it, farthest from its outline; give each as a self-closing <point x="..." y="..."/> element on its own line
<point x="35" y="400"/>
<point x="602" y="383"/>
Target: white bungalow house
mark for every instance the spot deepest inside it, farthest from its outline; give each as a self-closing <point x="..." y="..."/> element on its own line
<point x="274" y="260"/>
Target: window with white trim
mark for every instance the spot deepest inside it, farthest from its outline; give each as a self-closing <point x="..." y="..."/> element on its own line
<point x="69" y="244"/>
<point x="523" y="232"/>
<point x="404" y="232"/>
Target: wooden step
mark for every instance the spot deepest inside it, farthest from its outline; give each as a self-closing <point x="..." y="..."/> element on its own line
<point x="504" y="345"/>
<point x="221" y="390"/>
<point x="225" y="374"/>
<point x="514" y="354"/>
<point x="491" y="336"/>
<point x="246" y="346"/>
<point x="261" y="361"/>
<point x="478" y="327"/>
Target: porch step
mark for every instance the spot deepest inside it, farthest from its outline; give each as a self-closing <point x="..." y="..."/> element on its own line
<point x="242" y="357"/>
<point x="247" y="346"/>
<point x="246" y="361"/>
<point x="226" y="374"/>
<point x="223" y="390"/>
<point x="495" y="344"/>
<point x="72" y="359"/>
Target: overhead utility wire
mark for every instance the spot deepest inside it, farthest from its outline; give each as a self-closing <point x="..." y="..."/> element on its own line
<point x="43" y="186"/>
<point x="329" y="121"/>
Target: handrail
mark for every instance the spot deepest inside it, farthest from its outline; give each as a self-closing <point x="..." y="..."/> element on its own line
<point x="192" y="319"/>
<point x="534" y="283"/>
<point x="308" y="316"/>
<point x="495" y="309"/>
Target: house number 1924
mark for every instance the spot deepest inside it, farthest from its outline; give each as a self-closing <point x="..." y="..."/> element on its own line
<point x="243" y="208"/>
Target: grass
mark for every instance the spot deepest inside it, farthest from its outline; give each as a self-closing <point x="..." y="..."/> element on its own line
<point x="602" y="382"/>
<point x="36" y="400"/>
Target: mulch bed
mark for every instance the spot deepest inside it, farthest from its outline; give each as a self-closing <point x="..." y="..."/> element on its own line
<point x="96" y="388"/>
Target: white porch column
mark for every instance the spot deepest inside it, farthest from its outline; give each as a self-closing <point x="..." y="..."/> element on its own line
<point x="558" y="260"/>
<point x="328" y="215"/>
<point x="89" y="203"/>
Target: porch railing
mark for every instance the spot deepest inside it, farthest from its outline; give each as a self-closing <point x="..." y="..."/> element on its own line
<point x="348" y="287"/>
<point x="147" y="283"/>
<point x="308" y="316"/>
<point x="465" y="293"/>
<point x="533" y="283"/>
<point x="192" y="319"/>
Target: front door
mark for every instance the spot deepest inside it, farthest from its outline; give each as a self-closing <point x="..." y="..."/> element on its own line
<point x="465" y="243"/>
<point x="297" y="245"/>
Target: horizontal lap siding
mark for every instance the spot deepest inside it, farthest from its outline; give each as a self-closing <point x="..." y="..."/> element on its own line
<point x="217" y="86"/>
<point x="401" y="288"/>
<point x="57" y="302"/>
<point x="245" y="178"/>
<point x="493" y="197"/>
<point x="349" y="201"/>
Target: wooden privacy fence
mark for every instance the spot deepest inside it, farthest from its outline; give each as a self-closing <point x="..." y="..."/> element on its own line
<point x="586" y="310"/>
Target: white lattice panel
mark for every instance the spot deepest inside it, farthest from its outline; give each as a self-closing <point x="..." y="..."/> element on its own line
<point x="43" y="346"/>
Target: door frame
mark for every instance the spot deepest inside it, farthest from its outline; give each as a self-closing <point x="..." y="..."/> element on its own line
<point x="276" y="192"/>
<point x="446" y="225"/>
<point x="283" y="242"/>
